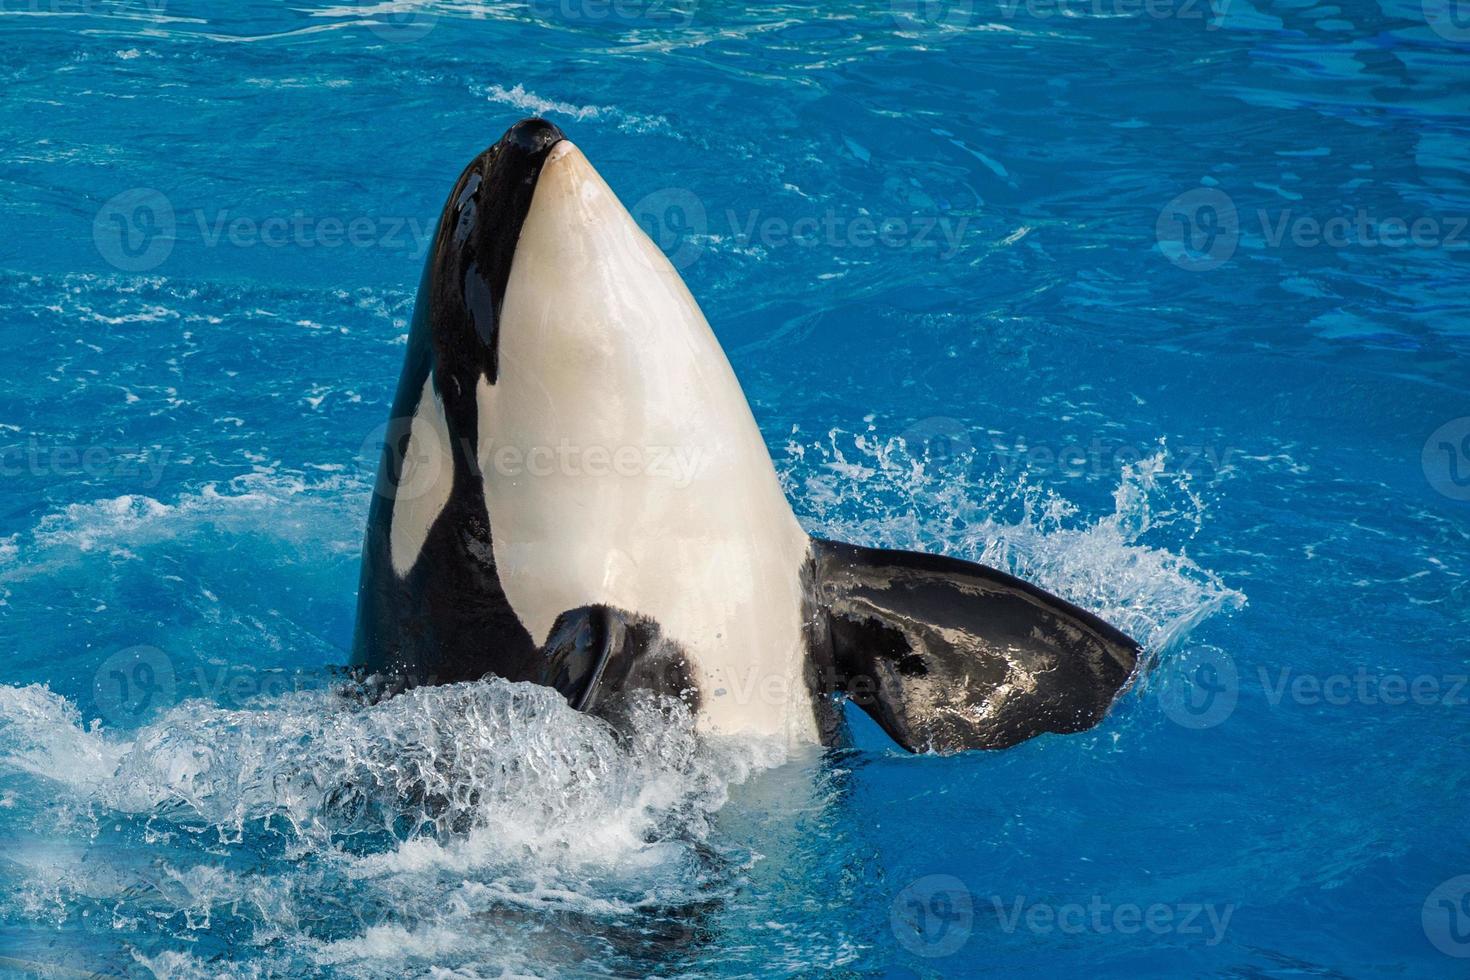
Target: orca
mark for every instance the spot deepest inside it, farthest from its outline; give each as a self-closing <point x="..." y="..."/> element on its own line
<point x="575" y="493"/>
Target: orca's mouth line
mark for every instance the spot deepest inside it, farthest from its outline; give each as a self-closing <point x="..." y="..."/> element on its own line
<point x="476" y="243"/>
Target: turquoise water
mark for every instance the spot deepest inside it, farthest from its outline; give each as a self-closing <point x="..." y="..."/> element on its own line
<point x="1165" y="306"/>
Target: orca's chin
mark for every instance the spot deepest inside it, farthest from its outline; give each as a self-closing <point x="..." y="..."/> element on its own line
<point x="587" y="281"/>
<point x="575" y="204"/>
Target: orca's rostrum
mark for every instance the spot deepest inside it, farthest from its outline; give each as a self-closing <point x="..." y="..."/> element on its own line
<point x="578" y="496"/>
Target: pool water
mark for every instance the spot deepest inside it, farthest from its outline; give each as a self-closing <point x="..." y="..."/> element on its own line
<point x="1164" y="306"/>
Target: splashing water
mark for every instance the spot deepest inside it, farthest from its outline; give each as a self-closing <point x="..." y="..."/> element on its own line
<point x="234" y="383"/>
<point x="488" y="825"/>
<point x="389" y="830"/>
<point x="881" y="492"/>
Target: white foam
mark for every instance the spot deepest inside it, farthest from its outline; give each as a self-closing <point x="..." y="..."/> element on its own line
<point x="41" y="734"/>
<point x="466" y="799"/>
<point x="517" y="97"/>
<point x="325" y="513"/>
<point x="486" y="829"/>
<point x="1128" y="566"/>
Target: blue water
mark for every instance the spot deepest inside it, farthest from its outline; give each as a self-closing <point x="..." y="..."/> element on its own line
<point x="1098" y="341"/>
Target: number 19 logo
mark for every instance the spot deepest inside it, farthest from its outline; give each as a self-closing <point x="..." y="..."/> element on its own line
<point x="1199" y="229"/>
<point x="933" y="916"/>
<point x="133" y="684"/>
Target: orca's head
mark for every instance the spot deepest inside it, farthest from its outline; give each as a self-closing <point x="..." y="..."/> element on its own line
<point x="465" y="278"/>
<point x="543" y="297"/>
<point x="536" y="264"/>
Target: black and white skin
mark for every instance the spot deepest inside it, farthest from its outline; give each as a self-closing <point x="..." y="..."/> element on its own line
<point x="577" y="495"/>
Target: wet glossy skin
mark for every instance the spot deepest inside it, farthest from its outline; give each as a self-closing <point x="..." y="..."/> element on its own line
<point x="547" y="319"/>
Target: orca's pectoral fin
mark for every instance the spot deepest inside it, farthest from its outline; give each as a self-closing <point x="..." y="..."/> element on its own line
<point x="576" y="655"/>
<point x="596" y="653"/>
<point x="948" y="655"/>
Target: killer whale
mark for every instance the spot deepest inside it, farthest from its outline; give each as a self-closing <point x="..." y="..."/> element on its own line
<point x="520" y="527"/>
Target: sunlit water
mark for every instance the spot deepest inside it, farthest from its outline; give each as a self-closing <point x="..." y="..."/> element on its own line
<point x="1029" y="283"/>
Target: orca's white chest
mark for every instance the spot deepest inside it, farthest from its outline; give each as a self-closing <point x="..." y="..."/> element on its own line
<point x="622" y="466"/>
